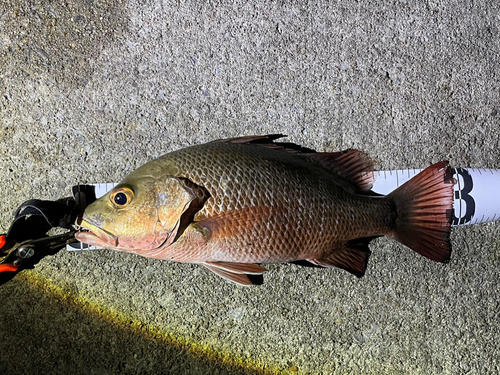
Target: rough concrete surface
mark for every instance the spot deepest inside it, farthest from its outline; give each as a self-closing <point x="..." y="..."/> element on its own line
<point x="90" y="90"/>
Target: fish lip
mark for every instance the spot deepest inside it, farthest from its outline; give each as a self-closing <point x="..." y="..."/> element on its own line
<point x="99" y="233"/>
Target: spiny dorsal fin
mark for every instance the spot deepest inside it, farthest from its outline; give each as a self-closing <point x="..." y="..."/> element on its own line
<point x="268" y="141"/>
<point x="269" y="138"/>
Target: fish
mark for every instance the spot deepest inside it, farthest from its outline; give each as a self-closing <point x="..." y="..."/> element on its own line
<point x="232" y="205"/>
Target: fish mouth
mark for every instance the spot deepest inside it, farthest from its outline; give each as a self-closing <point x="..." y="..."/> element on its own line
<point x="96" y="236"/>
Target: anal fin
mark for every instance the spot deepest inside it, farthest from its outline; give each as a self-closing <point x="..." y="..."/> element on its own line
<point x="351" y="256"/>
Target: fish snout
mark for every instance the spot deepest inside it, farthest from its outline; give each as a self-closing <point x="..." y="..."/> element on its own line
<point x="95" y="220"/>
<point x="96" y="236"/>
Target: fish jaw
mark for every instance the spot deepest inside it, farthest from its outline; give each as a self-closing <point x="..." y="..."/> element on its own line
<point x="96" y="236"/>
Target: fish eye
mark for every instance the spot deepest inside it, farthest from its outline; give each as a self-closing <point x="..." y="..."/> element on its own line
<point x="120" y="199"/>
<point x="122" y="196"/>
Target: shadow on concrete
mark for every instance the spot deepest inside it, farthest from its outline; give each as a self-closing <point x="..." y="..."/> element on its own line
<point x="40" y="334"/>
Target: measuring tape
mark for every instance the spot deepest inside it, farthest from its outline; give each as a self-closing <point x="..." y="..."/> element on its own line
<point x="472" y="194"/>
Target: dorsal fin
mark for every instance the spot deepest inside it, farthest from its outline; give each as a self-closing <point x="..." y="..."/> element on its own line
<point x="268" y="141"/>
<point x="269" y="138"/>
<point x="353" y="165"/>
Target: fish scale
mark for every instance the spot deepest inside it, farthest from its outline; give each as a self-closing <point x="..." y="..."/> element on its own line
<point x="233" y="203"/>
<point x="263" y="177"/>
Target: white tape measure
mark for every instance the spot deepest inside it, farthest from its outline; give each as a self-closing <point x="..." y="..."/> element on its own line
<point x="472" y="194"/>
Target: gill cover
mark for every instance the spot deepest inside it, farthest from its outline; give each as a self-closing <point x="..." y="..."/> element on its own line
<point x="177" y="200"/>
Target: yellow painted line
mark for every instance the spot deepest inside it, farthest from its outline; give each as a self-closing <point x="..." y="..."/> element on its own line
<point x="150" y="331"/>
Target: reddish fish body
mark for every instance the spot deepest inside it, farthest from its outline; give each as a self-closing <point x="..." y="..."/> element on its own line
<point x="231" y="204"/>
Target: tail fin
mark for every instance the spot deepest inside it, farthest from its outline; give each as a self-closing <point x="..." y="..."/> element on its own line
<point x="424" y="207"/>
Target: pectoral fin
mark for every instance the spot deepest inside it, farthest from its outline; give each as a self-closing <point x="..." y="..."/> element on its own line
<point x="249" y="268"/>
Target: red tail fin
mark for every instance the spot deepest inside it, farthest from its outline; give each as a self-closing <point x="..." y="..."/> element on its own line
<point x="424" y="207"/>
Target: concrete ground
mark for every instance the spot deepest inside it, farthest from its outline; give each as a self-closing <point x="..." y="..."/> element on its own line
<point x="90" y="90"/>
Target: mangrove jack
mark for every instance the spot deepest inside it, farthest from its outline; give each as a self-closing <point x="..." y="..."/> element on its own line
<point x="233" y="204"/>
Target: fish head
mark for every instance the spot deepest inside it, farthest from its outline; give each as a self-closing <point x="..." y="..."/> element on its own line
<point x="139" y="215"/>
<point x="125" y="218"/>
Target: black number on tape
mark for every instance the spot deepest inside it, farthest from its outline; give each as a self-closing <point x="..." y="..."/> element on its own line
<point x="463" y="194"/>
